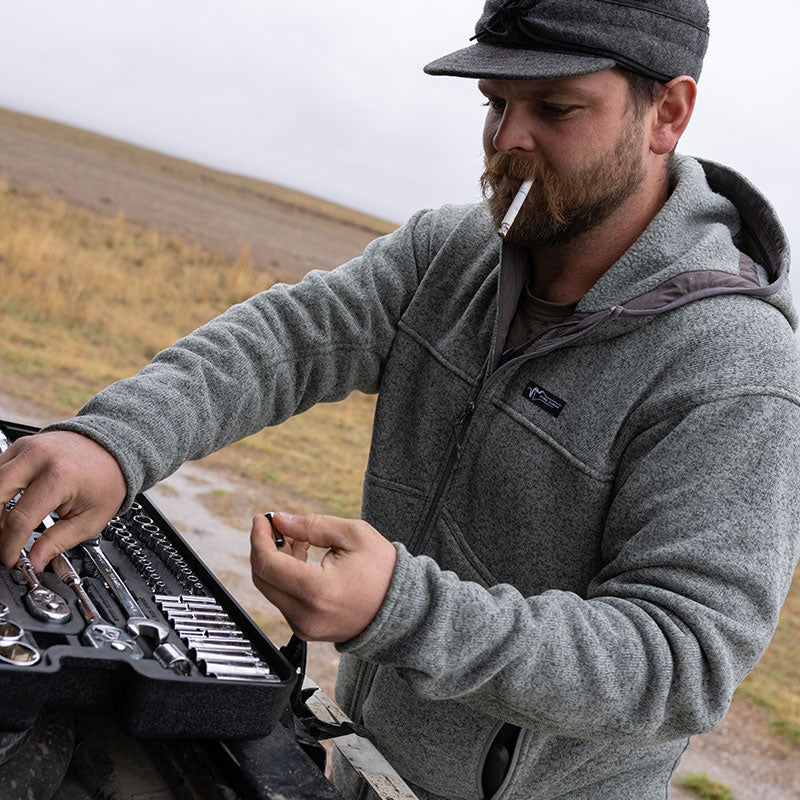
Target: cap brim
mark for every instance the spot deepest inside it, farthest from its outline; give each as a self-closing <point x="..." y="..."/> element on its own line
<point x="482" y="60"/>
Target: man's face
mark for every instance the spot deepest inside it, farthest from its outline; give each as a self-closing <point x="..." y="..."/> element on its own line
<point x="577" y="138"/>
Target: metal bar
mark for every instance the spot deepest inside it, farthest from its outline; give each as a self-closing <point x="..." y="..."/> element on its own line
<point x="360" y="753"/>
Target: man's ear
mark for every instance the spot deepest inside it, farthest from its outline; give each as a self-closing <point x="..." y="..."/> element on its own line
<point x="673" y="110"/>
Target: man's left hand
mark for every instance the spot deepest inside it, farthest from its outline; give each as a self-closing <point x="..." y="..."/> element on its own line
<point x="335" y="600"/>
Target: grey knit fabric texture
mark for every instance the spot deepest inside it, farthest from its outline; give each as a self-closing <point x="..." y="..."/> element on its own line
<point x="537" y="39"/>
<point x="603" y="578"/>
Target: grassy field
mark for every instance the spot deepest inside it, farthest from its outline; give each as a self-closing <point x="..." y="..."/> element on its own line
<point x="87" y="300"/>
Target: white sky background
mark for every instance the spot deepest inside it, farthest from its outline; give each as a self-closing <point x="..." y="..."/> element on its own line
<point x="329" y="97"/>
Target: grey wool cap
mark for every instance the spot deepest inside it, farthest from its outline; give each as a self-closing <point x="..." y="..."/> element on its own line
<point x="537" y="39"/>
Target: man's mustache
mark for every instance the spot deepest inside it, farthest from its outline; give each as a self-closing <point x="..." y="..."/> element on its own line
<point x="506" y="165"/>
<point x="502" y="165"/>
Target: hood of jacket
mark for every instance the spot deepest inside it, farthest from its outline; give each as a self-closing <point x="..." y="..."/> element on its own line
<point x="716" y="234"/>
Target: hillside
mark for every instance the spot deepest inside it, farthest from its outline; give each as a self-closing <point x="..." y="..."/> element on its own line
<point x="286" y="232"/>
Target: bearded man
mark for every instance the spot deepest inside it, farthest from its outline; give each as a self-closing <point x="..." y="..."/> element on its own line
<point x="580" y="513"/>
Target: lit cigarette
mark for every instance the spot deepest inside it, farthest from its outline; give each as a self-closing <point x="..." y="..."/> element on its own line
<point x="513" y="209"/>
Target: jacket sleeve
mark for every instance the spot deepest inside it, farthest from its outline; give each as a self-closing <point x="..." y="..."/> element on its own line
<point x="260" y="362"/>
<point x="699" y="549"/>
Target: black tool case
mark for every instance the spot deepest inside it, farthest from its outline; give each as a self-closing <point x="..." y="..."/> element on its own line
<point x="145" y="698"/>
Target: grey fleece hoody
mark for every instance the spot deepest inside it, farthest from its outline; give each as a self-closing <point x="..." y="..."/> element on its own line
<point x="594" y="537"/>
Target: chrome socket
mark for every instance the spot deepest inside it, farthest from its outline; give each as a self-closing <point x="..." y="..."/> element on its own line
<point x="237" y="672"/>
<point x="186" y="632"/>
<point x="219" y="644"/>
<point x="203" y="656"/>
<point x="208" y="628"/>
<point x="197" y="616"/>
<point x="171" y="657"/>
<point x="169" y="608"/>
<point x="194" y="599"/>
<point x="114" y="529"/>
<point x="151" y="534"/>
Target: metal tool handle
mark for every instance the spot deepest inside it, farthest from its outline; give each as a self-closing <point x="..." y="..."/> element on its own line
<point x="65" y="571"/>
<point x="42" y="603"/>
<point x="98" y="633"/>
<point x="138" y="623"/>
<point x="110" y="576"/>
<point x="26" y="568"/>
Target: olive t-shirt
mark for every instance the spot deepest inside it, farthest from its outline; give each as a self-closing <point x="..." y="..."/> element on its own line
<point x="534" y="316"/>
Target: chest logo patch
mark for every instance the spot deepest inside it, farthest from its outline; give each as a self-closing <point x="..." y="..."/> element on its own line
<point x="541" y="397"/>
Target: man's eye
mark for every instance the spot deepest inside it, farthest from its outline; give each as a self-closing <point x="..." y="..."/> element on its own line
<point x="557" y="111"/>
<point x="495" y="104"/>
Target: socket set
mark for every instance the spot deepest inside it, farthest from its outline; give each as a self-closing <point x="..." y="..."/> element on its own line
<point x="131" y="622"/>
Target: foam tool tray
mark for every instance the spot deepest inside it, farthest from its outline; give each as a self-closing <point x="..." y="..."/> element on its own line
<point x="199" y="666"/>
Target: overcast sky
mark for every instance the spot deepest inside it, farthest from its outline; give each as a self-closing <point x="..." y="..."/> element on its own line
<point x="329" y="97"/>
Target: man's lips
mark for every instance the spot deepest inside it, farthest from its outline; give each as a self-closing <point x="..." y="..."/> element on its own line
<point x="509" y="184"/>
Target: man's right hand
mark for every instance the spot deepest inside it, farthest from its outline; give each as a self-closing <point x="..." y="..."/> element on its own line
<point x="57" y="471"/>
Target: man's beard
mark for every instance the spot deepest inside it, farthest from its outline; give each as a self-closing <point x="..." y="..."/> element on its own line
<point x="560" y="208"/>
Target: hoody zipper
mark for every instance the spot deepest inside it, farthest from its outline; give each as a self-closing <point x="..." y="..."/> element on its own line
<point x="367" y="671"/>
<point x="460" y="427"/>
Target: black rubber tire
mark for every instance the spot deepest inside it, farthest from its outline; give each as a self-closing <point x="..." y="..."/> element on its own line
<point x="37" y="767"/>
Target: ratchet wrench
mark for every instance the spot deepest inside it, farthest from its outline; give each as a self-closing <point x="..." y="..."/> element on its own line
<point x="99" y="632"/>
<point x="138" y="623"/>
<point x="43" y="603"/>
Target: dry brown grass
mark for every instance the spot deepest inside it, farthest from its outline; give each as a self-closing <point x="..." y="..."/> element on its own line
<point x="98" y="297"/>
<point x="150" y="162"/>
<point x="86" y="301"/>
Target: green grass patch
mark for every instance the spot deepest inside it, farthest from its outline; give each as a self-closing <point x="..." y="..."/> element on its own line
<point x="786" y="729"/>
<point x="775" y="682"/>
<point x="706" y="788"/>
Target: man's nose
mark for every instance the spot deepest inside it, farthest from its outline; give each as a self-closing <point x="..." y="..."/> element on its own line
<point x="515" y="132"/>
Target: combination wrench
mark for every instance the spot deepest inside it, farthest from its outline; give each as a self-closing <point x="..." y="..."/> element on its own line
<point x="167" y="654"/>
<point x="98" y="632"/>
<point x="138" y="624"/>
